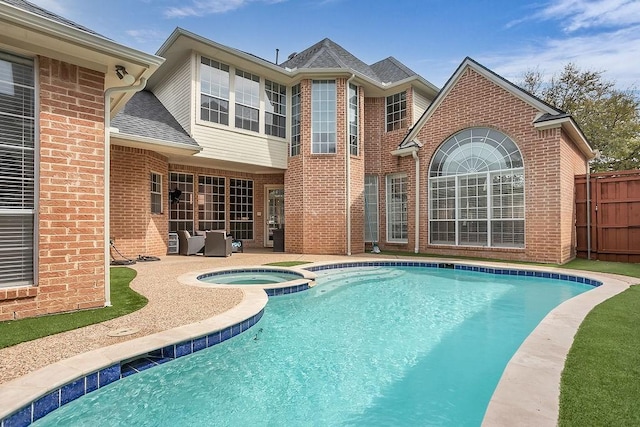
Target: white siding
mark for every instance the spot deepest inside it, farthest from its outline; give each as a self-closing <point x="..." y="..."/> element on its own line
<point x="420" y="104"/>
<point x="237" y="146"/>
<point x="175" y="93"/>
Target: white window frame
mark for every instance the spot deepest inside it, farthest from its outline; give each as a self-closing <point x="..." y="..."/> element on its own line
<point x="183" y="211"/>
<point x="19" y="215"/>
<point x="296" y="98"/>
<point x="396" y="111"/>
<point x="210" y="218"/>
<point x="246" y="101"/>
<point x="275" y="102"/>
<point x="371" y="209"/>
<point x="241" y="208"/>
<point x="354" y="117"/>
<point x="397" y="214"/>
<point x="499" y="201"/>
<point x="323" y="117"/>
<point x="218" y="90"/>
<point x="156" y="192"/>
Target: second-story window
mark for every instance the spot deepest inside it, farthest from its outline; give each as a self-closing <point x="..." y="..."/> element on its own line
<point x="353" y="119"/>
<point x="247" y="101"/>
<point x="396" y="111"/>
<point x="295" y="120"/>
<point x="323" y="117"/>
<point x="275" y="115"/>
<point x="214" y="91"/>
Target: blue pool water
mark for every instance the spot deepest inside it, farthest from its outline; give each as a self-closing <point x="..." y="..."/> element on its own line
<point x="250" y="277"/>
<point x="365" y="347"/>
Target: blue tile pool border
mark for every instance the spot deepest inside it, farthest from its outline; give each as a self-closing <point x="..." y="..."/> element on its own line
<point x="81" y="386"/>
<point x="249" y="270"/>
<point x="462" y="267"/>
<point x="110" y="374"/>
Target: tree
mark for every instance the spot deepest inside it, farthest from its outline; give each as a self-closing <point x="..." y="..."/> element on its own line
<point x="609" y="117"/>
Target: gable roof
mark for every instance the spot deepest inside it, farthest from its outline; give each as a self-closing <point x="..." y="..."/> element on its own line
<point x="144" y="116"/>
<point x="550" y="115"/>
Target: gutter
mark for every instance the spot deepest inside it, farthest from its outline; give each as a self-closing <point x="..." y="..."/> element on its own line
<point x="107" y="179"/>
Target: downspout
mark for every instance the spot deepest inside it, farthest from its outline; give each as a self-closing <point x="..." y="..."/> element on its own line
<point x="416" y="249"/>
<point x="107" y="178"/>
<point x="348" y="162"/>
<point x="588" y="210"/>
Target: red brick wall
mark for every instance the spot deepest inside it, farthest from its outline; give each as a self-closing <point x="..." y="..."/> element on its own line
<point x="475" y="101"/>
<point x="134" y="229"/>
<point x="71" y="203"/>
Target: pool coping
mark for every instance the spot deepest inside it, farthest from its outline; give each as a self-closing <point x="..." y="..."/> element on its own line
<point x="307" y="279"/>
<point x="514" y="400"/>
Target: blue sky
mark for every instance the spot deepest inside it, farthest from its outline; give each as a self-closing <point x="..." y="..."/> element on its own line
<point x="432" y="37"/>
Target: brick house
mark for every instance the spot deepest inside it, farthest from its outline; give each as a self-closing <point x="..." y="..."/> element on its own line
<point x="53" y="78"/>
<point x="340" y="154"/>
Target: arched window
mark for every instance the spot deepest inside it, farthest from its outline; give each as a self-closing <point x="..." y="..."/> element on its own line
<point x="476" y="191"/>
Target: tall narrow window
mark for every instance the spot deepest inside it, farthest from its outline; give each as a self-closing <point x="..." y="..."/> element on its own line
<point x="247" y="101"/>
<point x="156" y="193"/>
<point x="17" y="169"/>
<point x="211" y="209"/>
<point x="396" y="111"/>
<point x="476" y="191"/>
<point x="353" y="119"/>
<point x="275" y="109"/>
<point x="241" y="208"/>
<point x="181" y="211"/>
<point x="323" y="117"/>
<point x="214" y="91"/>
<point x="397" y="225"/>
<point x="371" y="208"/>
<point x="295" y="121"/>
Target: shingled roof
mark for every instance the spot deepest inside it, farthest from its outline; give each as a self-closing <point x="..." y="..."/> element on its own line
<point x="328" y="54"/>
<point x="36" y="10"/>
<point x="145" y="116"/>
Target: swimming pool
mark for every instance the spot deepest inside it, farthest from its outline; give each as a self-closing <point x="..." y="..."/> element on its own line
<point x="371" y="345"/>
<point x="251" y="276"/>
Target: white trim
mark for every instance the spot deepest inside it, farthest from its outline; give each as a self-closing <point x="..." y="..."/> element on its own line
<point x="153" y="144"/>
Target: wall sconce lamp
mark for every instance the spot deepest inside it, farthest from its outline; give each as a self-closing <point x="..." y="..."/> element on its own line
<point x="122" y="74"/>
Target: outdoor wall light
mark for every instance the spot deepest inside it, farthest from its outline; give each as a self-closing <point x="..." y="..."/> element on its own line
<point x="122" y="74"/>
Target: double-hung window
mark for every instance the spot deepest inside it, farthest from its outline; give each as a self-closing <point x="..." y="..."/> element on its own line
<point x="353" y="119"/>
<point x="397" y="219"/>
<point x="371" y="208"/>
<point x="323" y="117"/>
<point x="214" y="91"/>
<point x="295" y="121"/>
<point x="276" y="109"/>
<point x="396" y="111"/>
<point x="156" y="193"/>
<point x="247" y="101"/>
<point x="17" y="169"/>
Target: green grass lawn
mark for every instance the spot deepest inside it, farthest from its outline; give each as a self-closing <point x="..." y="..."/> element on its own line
<point x="123" y="299"/>
<point x="601" y="379"/>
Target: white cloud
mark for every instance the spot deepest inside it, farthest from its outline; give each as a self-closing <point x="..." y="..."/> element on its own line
<point x="615" y="53"/>
<point x="210" y="7"/>
<point x="588" y="14"/>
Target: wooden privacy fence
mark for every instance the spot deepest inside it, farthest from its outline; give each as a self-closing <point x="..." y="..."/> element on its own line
<point x="614" y="205"/>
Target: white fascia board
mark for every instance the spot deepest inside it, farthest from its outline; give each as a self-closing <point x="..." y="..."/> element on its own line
<point x="153" y="144"/>
<point x="73" y="35"/>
